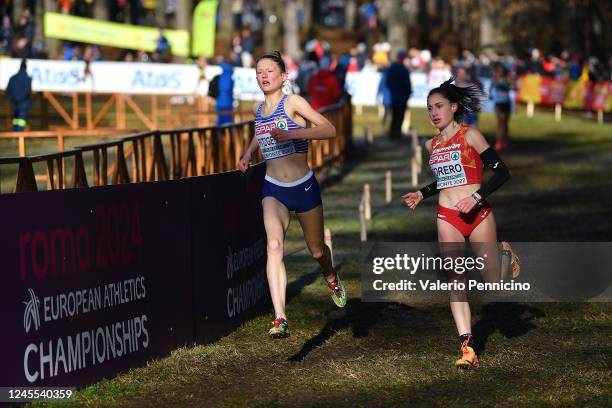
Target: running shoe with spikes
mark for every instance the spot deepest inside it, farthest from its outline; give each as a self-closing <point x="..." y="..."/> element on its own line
<point x="515" y="262"/>
<point x="468" y="358"/>
<point x="280" y="328"/>
<point x="337" y="291"/>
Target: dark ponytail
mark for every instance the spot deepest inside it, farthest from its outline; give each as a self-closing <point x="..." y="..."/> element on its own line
<point x="469" y="98"/>
<point x="276" y="57"/>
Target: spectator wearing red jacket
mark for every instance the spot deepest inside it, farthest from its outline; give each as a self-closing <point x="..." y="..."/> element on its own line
<point x="323" y="87"/>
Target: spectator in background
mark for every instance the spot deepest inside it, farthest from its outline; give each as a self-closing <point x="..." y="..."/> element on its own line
<point x="142" y="56"/>
<point x="323" y="87"/>
<point x="20" y="48"/>
<point x="380" y="56"/>
<point x="341" y="70"/>
<point x="439" y="73"/>
<point x="500" y="94"/>
<point x="237" y="10"/>
<point x="353" y="64"/>
<point x="308" y="67"/>
<point x="64" y="6"/>
<point x="6" y="36"/>
<point x="162" y="48"/>
<point x="222" y="89"/>
<point x="464" y="80"/>
<point x="398" y="81"/>
<point x="384" y="94"/>
<point x="248" y="42"/>
<point x="362" y="54"/>
<point x="19" y="93"/>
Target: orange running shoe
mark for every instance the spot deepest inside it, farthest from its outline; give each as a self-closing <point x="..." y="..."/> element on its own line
<point x="468" y="358"/>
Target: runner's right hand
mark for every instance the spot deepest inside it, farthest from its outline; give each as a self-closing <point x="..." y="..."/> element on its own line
<point x="413" y="199"/>
<point x="243" y="164"/>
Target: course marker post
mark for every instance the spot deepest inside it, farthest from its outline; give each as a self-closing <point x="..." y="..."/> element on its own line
<point x="370" y="134"/>
<point x="388" y="186"/>
<point x="418" y="154"/>
<point x="558" y="112"/>
<point x="530" y="109"/>
<point x="366" y="202"/>
<point x="415" y="138"/>
<point x="600" y="117"/>
<point x="362" y="222"/>
<point x="406" y="124"/>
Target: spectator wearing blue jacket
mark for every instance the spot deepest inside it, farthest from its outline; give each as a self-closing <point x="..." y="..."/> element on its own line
<point x="398" y="82"/>
<point x="384" y="94"/>
<point x="19" y="93"/>
<point x="225" y="95"/>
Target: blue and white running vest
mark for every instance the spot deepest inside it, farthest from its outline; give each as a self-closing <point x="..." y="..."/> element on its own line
<point x="270" y="149"/>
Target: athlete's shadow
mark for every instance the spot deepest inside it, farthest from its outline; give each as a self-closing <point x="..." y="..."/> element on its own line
<point x="357" y="315"/>
<point x="511" y="319"/>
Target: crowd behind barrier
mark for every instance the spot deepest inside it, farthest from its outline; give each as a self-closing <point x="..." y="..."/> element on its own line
<point x="114" y="78"/>
<point x="168" y="155"/>
<point x="572" y="94"/>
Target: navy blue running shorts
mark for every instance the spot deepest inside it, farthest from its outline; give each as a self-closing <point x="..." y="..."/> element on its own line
<point x="300" y="196"/>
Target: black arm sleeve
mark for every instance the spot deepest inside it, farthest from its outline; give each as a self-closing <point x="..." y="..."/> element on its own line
<point x="491" y="159"/>
<point x="430" y="190"/>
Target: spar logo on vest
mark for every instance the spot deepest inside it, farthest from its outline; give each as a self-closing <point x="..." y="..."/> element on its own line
<point x="447" y="167"/>
<point x="270" y="148"/>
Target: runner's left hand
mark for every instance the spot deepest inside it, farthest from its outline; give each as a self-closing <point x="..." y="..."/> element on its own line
<point x="467" y="204"/>
<point x="280" y="135"/>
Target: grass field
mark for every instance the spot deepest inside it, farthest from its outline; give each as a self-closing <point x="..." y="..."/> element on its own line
<point x="390" y="354"/>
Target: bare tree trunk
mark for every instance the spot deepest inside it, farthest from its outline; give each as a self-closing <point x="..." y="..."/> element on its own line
<point x="160" y="13"/>
<point x="39" y="22"/>
<point x="272" y="25"/>
<point x="423" y="18"/>
<point x="18" y="8"/>
<point x="100" y="11"/>
<point x="307" y="14"/>
<point x="351" y="14"/>
<point x="397" y="26"/>
<point x="52" y="45"/>
<point x="413" y="9"/>
<point x="226" y="25"/>
<point x="184" y="11"/>
<point x="488" y="36"/>
<point x="291" y="28"/>
<point x="491" y="25"/>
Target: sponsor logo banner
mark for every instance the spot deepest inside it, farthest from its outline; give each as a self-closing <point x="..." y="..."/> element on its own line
<point x="91" y="285"/>
<point x="229" y="250"/>
<point x="127" y="77"/>
<point x="90" y="31"/>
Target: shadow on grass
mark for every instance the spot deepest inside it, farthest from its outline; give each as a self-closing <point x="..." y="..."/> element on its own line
<point x="510" y="319"/>
<point x="357" y="315"/>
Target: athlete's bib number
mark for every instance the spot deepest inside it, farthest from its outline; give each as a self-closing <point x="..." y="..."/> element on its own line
<point x="271" y="149"/>
<point x="448" y="169"/>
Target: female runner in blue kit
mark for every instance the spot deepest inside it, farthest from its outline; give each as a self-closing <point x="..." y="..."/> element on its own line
<point x="289" y="184"/>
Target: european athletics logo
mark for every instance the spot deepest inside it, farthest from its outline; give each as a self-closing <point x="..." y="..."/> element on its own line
<point x="281" y="123"/>
<point x="32" y="312"/>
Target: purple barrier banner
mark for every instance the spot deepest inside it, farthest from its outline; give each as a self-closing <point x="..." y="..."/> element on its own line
<point x="94" y="281"/>
<point x="229" y="250"/>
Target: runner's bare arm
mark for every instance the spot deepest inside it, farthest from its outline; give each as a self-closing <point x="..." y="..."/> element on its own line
<point x="322" y="128"/>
